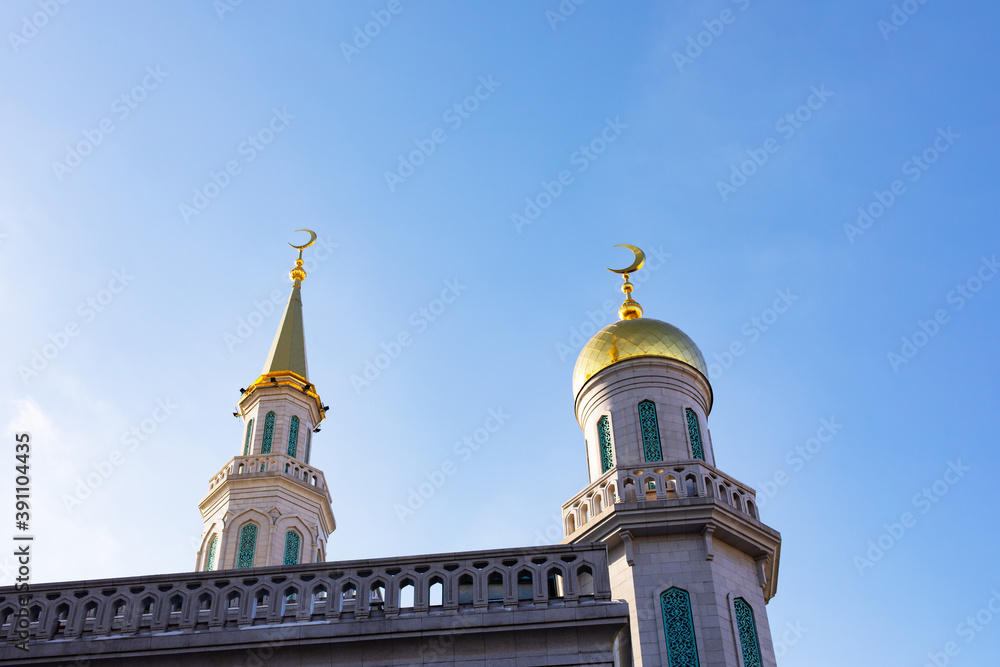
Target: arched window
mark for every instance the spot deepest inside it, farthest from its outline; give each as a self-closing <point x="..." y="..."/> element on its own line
<point x="604" y="436"/>
<point x="210" y="558"/>
<point x="292" y="542"/>
<point x="265" y="448"/>
<point x="246" y="444"/>
<point x="248" y="544"/>
<point x="694" y="434"/>
<point x="650" y="431"/>
<point x="308" y="442"/>
<point x="293" y="436"/>
<point x="748" y="633"/>
<point x="682" y="650"/>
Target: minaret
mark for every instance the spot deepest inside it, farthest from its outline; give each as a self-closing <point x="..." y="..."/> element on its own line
<point x="268" y="505"/>
<point x="686" y="546"/>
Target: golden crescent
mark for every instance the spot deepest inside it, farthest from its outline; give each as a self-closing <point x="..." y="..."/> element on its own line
<point x="640" y="259"/>
<point x="312" y="239"/>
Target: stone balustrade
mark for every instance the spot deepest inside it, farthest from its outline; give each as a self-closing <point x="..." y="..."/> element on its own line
<point x="657" y="481"/>
<point x="280" y="464"/>
<point x="334" y="592"/>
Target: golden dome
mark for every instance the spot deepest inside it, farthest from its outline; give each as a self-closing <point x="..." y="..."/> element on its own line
<point x="639" y="337"/>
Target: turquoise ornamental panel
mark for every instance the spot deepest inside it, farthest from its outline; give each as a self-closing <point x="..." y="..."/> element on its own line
<point x="694" y="433"/>
<point x="308" y="443"/>
<point x="748" y="633"/>
<point x="292" y="541"/>
<point x="607" y="452"/>
<point x="682" y="649"/>
<point x="210" y="559"/>
<point x="265" y="448"/>
<point x="293" y="436"/>
<point x="650" y="431"/>
<point x="246" y="444"/>
<point x="248" y="544"/>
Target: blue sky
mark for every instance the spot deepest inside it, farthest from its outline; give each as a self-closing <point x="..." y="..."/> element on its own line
<point x="156" y="159"/>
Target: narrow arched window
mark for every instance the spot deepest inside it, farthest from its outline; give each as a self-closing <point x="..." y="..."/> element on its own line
<point x="293" y="436"/>
<point x="604" y="436"/>
<point x="308" y="443"/>
<point x="292" y="542"/>
<point x="694" y="434"/>
<point x="210" y="559"/>
<point x="682" y="649"/>
<point x="246" y="443"/>
<point x="248" y="544"/>
<point x="265" y="448"/>
<point x="748" y="633"/>
<point x="650" y="431"/>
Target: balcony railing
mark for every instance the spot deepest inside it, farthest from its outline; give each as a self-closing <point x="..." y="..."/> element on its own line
<point x="656" y="481"/>
<point x="350" y="591"/>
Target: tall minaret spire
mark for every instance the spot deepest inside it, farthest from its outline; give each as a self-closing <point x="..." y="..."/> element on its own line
<point x="268" y="505"/>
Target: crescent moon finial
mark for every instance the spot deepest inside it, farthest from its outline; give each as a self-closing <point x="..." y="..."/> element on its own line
<point x="298" y="274"/>
<point x="312" y="239"/>
<point x="631" y="309"/>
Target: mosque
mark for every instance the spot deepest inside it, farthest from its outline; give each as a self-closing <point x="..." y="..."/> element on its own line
<point x="665" y="560"/>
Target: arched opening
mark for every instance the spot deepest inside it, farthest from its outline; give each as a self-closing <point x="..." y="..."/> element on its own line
<point x="233" y="600"/>
<point x="584" y="514"/>
<point x="555" y="583"/>
<point x="59" y="622"/>
<point x="435" y="592"/>
<point x="598" y="504"/>
<point x="494" y="587"/>
<point x="751" y="509"/>
<point x="649" y="484"/>
<point x="465" y="589"/>
<point x="585" y="580"/>
<point x="525" y="585"/>
<point x="691" y="486"/>
<point x="319" y="598"/>
<point x="629" y="490"/>
<point x="406" y="594"/>
<point x="376" y="601"/>
<point x="290" y="601"/>
<point x="570" y="524"/>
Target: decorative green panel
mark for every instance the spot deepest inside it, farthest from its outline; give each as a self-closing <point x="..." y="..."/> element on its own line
<point x="246" y="444"/>
<point x="248" y="544"/>
<point x="682" y="649"/>
<point x="210" y="560"/>
<point x="293" y="436"/>
<point x="308" y="443"/>
<point x="748" y="633"/>
<point x="292" y="541"/>
<point x="607" y="451"/>
<point x="694" y="433"/>
<point x="650" y="431"/>
<point x="268" y="433"/>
